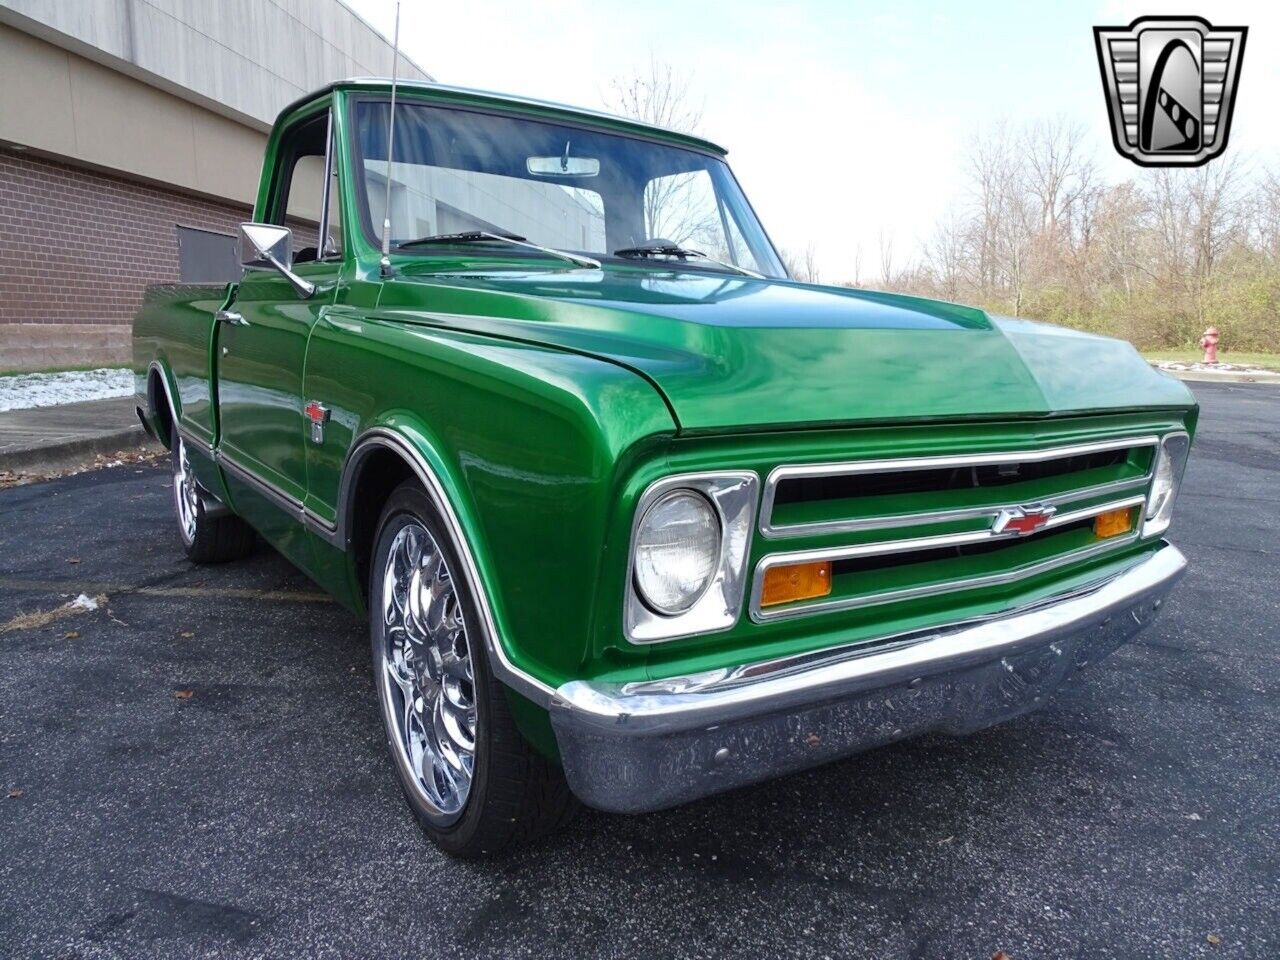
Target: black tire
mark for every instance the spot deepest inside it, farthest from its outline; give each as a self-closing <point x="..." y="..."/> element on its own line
<point x="515" y="793"/>
<point x="205" y="539"/>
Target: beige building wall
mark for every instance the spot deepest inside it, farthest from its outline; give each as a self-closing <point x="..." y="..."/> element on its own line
<point x="242" y="58"/>
<point x="63" y="105"/>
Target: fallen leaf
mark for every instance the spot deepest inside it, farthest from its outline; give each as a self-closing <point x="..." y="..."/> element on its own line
<point x="1000" y="955"/>
<point x="812" y="740"/>
<point x="184" y="694"/>
<point x="186" y="634"/>
<point x="15" y="793"/>
<point x="71" y="635"/>
<point x="1214" y="939"/>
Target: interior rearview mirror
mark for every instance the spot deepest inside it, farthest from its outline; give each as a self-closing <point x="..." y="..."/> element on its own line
<point x="565" y="166"/>
<point x="266" y="246"/>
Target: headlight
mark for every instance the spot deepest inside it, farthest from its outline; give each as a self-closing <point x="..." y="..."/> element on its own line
<point x="677" y="551"/>
<point x="688" y="560"/>
<point x="1171" y="460"/>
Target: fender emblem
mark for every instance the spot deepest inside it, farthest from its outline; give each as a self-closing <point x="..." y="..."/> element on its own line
<point x="318" y="414"/>
<point x="1023" y="521"/>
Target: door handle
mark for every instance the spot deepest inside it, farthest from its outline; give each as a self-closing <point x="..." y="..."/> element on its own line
<point x="231" y="317"/>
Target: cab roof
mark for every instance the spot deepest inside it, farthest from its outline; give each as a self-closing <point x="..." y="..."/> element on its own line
<point x="543" y="109"/>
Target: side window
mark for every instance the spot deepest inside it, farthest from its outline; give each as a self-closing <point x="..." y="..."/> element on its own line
<point x="304" y="162"/>
<point x="684" y="209"/>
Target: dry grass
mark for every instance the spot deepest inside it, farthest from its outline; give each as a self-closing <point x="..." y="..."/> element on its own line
<point x="42" y="618"/>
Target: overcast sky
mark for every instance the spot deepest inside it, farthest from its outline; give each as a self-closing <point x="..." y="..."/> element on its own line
<point x="843" y="120"/>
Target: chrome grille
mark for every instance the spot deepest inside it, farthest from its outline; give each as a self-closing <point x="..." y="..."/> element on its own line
<point x="963" y="496"/>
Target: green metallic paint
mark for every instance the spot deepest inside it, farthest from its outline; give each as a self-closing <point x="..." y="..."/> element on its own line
<point x="528" y="442"/>
<point x="546" y="400"/>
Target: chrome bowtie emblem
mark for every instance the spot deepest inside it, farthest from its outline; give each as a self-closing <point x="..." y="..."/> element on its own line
<point x="1170" y="84"/>
<point x="1022" y="520"/>
<point x="319" y="416"/>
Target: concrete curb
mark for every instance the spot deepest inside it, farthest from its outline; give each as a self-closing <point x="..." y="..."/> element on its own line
<point x="61" y="455"/>
<point x="1208" y="376"/>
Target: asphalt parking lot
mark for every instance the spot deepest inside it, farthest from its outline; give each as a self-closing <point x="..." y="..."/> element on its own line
<point x="196" y="768"/>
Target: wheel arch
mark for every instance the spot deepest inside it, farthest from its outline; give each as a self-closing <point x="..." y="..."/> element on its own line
<point x="161" y="408"/>
<point x="381" y="458"/>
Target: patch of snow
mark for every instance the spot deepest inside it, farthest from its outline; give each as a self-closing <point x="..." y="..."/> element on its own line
<point x="1220" y="367"/>
<point x="22" y="391"/>
<point x="84" y="602"/>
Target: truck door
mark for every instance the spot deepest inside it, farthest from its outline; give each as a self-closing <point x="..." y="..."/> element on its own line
<point x="262" y="342"/>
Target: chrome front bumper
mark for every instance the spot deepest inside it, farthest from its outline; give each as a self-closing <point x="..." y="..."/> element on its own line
<point x="637" y="747"/>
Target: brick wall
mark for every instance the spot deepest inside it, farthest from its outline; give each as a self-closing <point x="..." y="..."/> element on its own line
<point x="79" y="247"/>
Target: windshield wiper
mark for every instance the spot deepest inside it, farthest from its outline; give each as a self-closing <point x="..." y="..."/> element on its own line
<point x="483" y="236"/>
<point x="682" y="253"/>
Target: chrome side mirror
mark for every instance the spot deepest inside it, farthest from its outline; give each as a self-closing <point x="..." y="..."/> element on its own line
<point x="265" y="246"/>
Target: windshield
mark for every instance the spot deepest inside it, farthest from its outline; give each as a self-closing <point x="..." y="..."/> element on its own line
<point x="459" y="172"/>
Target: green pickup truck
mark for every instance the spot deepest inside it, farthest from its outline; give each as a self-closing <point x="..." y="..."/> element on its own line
<point x="634" y="517"/>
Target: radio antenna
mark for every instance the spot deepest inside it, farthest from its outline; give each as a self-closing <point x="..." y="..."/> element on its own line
<point x="391" y="140"/>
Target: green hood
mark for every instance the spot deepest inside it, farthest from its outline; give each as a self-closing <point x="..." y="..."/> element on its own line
<point x="732" y="352"/>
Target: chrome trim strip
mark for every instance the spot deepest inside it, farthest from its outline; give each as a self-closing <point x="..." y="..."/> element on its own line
<point x="213" y="507"/>
<point x="1151" y="528"/>
<point x="155" y="366"/>
<point x="762" y="615"/>
<point x="520" y="680"/>
<point x="284" y="501"/>
<point x="336" y="534"/>
<point x="851" y="468"/>
<point x="202" y="445"/>
<point x="326" y="193"/>
<point x="945" y="516"/>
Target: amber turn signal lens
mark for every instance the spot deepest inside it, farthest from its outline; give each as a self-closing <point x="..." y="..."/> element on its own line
<point x="1113" y="523"/>
<point x="795" y="581"/>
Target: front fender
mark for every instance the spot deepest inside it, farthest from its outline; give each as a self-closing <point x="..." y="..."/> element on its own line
<point x="525" y="448"/>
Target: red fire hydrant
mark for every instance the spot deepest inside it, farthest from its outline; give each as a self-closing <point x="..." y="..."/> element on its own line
<point x="1210" y="343"/>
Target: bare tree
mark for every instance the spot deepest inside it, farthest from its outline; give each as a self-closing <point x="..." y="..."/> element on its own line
<point x="812" y="273"/>
<point x="990" y="163"/>
<point x="1155" y="258"/>
<point x="802" y="266"/>
<point x="886" y="259"/>
<point x="1058" y="172"/>
<point x="947" y="255"/>
<point x="1266" y="213"/>
<point x="1122" y="239"/>
<point x="658" y="95"/>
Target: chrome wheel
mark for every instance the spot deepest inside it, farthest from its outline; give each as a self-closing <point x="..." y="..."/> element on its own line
<point x="186" y="494"/>
<point x="428" y="684"/>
